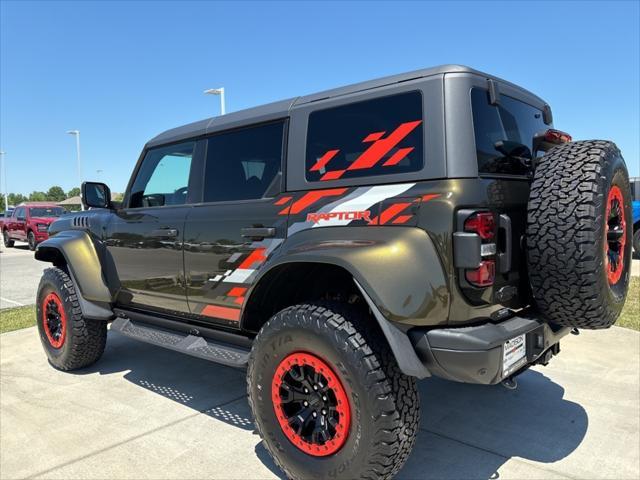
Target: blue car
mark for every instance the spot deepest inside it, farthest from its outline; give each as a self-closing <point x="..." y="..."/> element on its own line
<point x="636" y="226"/>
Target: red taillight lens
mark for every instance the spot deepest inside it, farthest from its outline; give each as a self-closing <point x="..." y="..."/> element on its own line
<point x="483" y="223"/>
<point x="484" y="275"/>
<point x="556" y="136"/>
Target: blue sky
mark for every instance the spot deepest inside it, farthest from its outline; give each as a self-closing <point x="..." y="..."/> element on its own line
<point x="121" y="72"/>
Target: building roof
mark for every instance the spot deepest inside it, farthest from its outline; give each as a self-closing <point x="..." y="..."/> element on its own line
<point x="281" y="108"/>
<point x="71" y="201"/>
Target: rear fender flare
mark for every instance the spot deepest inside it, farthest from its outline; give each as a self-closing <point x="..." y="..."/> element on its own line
<point x="397" y="269"/>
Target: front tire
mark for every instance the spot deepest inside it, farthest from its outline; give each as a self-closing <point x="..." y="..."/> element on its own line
<point x="31" y="240"/>
<point x="69" y="340"/>
<point x="367" y="411"/>
<point x="8" y="243"/>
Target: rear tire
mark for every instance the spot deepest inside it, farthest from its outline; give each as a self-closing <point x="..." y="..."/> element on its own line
<point x="382" y="403"/>
<point x="579" y="234"/>
<point x="69" y="340"/>
<point x="8" y="243"/>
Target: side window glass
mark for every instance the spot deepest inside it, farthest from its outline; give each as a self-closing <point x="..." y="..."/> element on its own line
<point x="20" y="214"/>
<point x="511" y="120"/>
<point x="242" y="164"/>
<point x="371" y="137"/>
<point x="163" y="177"/>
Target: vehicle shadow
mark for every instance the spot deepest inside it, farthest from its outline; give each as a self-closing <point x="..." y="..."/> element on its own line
<point x="467" y="431"/>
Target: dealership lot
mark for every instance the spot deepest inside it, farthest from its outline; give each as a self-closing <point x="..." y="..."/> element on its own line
<point x="145" y="412"/>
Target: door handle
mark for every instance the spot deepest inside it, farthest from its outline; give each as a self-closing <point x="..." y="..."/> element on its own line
<point x="165" y="232"/>
<point x="258" y="233"/>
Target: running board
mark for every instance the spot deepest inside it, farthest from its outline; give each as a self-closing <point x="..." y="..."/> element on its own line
<point x="193" y="345"/>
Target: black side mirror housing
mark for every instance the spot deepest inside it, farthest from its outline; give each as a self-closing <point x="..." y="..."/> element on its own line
<point x="96" y="195"/>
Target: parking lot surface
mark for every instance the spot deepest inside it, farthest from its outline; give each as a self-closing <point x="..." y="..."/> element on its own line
<point x="19" y="276"/>
<point x="145" y="412"/>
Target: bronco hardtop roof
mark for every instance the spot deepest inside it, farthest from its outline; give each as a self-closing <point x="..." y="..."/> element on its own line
<point x="281" y="108"/>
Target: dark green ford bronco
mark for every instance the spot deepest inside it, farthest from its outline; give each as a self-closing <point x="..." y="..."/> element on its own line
<point x="341" y="246"/>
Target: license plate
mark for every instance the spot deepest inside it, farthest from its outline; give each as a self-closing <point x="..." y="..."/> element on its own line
<point x="514" y="355"/>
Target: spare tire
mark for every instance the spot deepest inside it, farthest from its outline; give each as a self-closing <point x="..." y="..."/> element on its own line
<point x="579" y="234"/>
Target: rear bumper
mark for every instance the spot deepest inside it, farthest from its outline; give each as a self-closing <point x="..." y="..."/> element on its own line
<point x="476" y="354"/>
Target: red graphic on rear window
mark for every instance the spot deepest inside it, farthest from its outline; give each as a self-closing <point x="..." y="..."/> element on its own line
<point x="379" y="148"/>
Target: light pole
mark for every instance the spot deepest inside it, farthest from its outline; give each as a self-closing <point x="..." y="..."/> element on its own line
<point x="4" y="176"/>
<point x="77" y="135"/>
<point x="217" y="91"/>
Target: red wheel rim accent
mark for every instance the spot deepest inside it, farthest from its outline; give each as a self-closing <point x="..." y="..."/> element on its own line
<point x="615" y="235"/>
<point x="54" y="320"/>
<point x="333" y="413"/>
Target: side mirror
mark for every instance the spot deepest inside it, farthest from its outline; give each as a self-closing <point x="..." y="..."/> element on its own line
<point x="96" y="195"/>
<point x="513" y="149"/>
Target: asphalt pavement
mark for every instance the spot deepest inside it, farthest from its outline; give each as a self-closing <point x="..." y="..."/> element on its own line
<point x="146" y="412"/>
<point x="19" y="276"/>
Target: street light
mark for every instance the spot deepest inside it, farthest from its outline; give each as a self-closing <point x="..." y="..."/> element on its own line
<point x="4" y="176"/>
<point x="217" y="91"/>
<point x="77" y="135"/>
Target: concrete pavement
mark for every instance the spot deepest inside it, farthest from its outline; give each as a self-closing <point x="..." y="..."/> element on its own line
<point x="145" y="412"/>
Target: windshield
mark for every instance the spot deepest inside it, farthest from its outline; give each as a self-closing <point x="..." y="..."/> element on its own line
<point x="47" y="211"/>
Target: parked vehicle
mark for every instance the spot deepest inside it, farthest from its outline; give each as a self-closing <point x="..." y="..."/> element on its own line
<point x="29" y="222"/>
<point x="636" y="226"/>
<point x="344" y="244"/>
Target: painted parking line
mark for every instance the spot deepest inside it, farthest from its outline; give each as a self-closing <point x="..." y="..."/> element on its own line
<point x="18" y="304"/>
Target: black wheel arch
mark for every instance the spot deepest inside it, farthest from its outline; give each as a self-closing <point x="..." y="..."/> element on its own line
<point x="75" y="253"/>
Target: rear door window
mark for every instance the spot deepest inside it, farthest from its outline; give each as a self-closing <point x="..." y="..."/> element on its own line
<point x="367" y="138"/>
<point x="511" y="120"/>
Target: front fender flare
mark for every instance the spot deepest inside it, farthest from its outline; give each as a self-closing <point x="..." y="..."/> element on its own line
<point x="77" y="251"/>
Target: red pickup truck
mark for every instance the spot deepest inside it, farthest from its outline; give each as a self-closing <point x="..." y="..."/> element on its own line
<point x="29" y="222"/>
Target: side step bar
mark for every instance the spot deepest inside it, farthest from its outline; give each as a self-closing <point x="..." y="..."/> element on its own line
<point x="193" y="345"/>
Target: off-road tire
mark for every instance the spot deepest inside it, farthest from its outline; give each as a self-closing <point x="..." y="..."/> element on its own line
<point x="31" y="240"/>
<point x="85" y="339"/>
<point x="566" y="234"/>
<point x="383" y="401"/>
<point x="8" y="243"/>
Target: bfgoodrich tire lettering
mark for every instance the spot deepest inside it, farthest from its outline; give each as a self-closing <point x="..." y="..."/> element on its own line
<point x="567" y="234"/>
<point x="383" y="402"/>
<point x="84" y="339"/>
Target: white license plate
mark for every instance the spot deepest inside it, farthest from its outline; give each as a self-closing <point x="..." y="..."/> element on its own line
<point x="514" y="355"/>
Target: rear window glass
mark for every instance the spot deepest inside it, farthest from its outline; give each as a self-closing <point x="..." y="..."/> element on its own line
<point x="372" y="137"/>
<point x="511" y="120"/>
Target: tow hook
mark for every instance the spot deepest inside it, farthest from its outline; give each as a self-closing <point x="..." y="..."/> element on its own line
<point x="510" y="383"/>
<point x="575" y="331"/>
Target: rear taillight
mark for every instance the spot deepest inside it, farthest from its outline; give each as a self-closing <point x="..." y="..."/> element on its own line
<point x="556" y="136"/>
<point x="482" y="223"/>
<point x="484" y="275"/>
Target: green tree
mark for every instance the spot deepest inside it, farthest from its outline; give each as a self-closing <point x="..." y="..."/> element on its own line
<point x="56" y="194"/>
<point x="3" y="207"/>
<point x="16" y="199"/>
<point x="37" y="197"/>
<point x="74" y="192"/>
